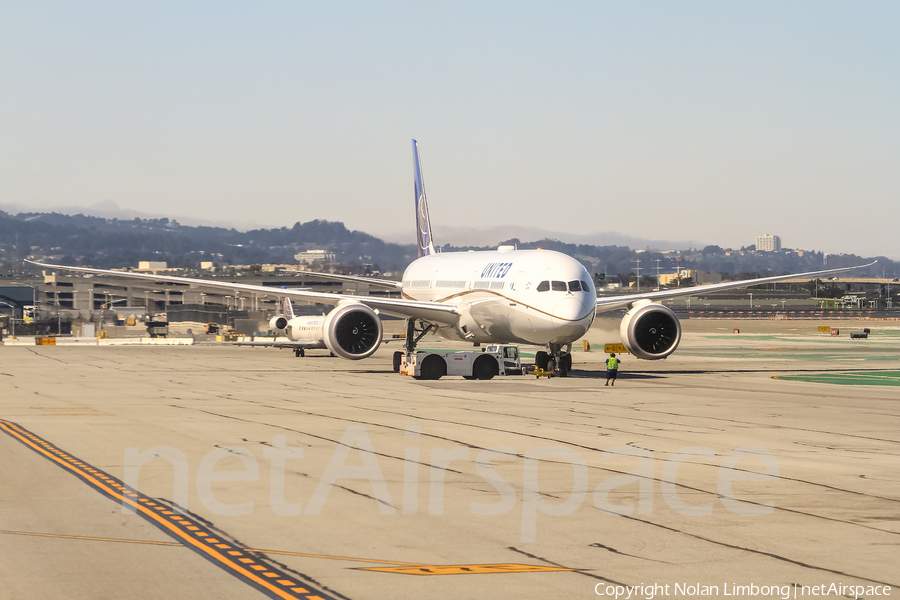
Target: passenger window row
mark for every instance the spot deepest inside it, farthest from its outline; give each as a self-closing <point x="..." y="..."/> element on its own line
<point x="560" y="286"/>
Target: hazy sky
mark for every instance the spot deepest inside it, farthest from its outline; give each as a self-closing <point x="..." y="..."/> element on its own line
<point x="713" y="121"/>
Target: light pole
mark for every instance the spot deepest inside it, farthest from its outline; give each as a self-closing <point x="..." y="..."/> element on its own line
<point x="751" y="299"/>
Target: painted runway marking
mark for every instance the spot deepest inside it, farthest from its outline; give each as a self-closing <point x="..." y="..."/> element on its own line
<point x="401" y="567"/>
<point x="232" y="558"/>
<point x="193" y="534"/>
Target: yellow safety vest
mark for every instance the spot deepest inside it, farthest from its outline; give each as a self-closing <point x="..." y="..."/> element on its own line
<point x="612" y="363"/>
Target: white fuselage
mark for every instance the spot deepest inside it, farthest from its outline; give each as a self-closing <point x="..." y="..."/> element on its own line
<point x="307" y="329"/>
<point x="513" y="296"/>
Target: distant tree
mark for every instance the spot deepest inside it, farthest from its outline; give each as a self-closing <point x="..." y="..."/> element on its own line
<point x="746" y="275"/>
<point x="687" y="282"/>
<point x="810" y="286"/>
<point x="831" y="291"/>
<point x="648" y="281"/>
<point x="712" y="250"/>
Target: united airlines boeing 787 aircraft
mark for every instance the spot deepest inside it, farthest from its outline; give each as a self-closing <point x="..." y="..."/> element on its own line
<point x="538" y="297"/>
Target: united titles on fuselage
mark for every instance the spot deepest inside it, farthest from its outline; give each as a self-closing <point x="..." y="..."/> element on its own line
<point x="496" y="270"/>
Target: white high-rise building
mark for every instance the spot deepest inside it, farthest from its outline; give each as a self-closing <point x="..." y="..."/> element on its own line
<point x="310" y="256"/>
<point x="768" y="243"/>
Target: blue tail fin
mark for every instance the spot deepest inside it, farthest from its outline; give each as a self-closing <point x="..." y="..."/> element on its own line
<point x="423" y="223"/>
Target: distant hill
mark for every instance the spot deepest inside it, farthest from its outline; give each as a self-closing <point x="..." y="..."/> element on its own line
<point x="79" y="239"/>
<point x="469" y="236"/>
<point x="112" y="242"/>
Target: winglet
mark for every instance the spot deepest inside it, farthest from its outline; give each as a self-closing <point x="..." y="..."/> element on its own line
<point x="423" y="223"/>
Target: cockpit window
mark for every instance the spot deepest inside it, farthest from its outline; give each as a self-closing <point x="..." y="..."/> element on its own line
<point x="558" y="286"/>
<point x="543" y="286"/>
<point x="584" y="286"/>
<point x="574" y="286"/>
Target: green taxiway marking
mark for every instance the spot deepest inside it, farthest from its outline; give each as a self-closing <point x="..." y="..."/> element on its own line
<point x="857" y="378"/>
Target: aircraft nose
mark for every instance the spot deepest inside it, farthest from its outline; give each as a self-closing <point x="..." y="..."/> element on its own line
<point x="568" y="316"/>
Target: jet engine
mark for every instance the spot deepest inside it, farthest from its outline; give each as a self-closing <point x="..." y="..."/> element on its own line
<point x="278" y="323"/>
<point x="352" y="330"/>
<point x="650" y="331"/>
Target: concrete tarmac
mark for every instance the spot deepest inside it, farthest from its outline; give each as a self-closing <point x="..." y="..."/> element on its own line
<point x="705" y="469"/>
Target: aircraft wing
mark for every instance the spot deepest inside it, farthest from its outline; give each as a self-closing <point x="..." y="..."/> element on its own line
<point x="433" y="312"/>
<point x="621" y="301"/>
<point x="317" y="345"/>
<point x="385" y="283"/>
<point x="306" y="345"/>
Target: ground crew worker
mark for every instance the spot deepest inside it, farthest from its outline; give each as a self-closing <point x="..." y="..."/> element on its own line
<point x="612" y="368"/>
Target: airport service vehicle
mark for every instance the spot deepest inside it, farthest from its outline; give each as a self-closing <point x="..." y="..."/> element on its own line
<point x="504" y="296"/>
<point x="492" y="360"/>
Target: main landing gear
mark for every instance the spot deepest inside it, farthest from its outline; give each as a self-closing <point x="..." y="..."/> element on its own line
<point x="556" y="359"/>
<point x="299" y="352"/>
<point x="413" y="336"/>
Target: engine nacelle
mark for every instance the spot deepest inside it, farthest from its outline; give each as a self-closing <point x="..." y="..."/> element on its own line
<point x="650" y="331"/>
<point x="352" y="330"/>
<point x="278" y="323"/>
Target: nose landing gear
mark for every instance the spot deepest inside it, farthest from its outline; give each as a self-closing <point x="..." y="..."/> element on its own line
<point x="556" y="360"/>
